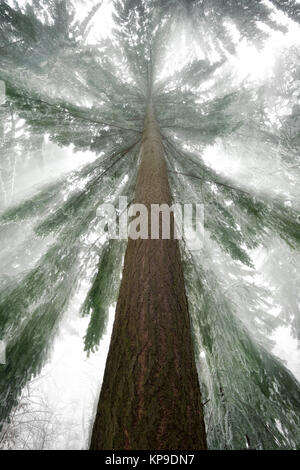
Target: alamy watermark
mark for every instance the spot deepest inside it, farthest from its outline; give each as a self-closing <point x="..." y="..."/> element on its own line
<point x="161" y="221"/>
<point x="2" y="352"/>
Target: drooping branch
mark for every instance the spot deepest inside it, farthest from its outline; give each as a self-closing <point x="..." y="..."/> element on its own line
<point x="207" y="180"/>
<point x="11" y="44"/>
<point x="211" y="181"/>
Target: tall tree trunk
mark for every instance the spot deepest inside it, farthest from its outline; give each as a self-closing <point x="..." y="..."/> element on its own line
<point x="150" y="396"/>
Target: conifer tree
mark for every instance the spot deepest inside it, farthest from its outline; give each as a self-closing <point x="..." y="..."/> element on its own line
<point x="150" y="128"/>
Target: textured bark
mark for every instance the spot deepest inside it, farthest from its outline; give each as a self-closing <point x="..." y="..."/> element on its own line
<point x="150" y="396"/>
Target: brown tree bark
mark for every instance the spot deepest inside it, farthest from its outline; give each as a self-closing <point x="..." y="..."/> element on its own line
<point x="150" y="396"/>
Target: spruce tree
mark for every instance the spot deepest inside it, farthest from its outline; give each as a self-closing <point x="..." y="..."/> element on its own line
<point x="151" y="127"/>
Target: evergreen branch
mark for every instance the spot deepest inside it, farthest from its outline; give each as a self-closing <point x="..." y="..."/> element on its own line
<point x="11" y="44"/>
<point x="211" y="181"/>
<point x="61" y="107"/>
<point x="93" y="121"/>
